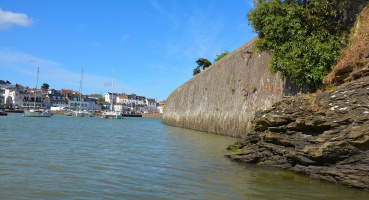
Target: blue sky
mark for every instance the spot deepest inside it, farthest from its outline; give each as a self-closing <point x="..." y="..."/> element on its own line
<point x="152" y="45"/>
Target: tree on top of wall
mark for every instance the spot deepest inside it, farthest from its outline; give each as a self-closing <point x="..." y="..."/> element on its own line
<point x="202" y="63"/>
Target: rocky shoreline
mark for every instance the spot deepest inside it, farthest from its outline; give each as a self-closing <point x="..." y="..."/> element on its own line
<point x="324" y="136"/>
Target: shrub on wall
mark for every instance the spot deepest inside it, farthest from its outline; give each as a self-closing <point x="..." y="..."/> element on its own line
<point x="304" y="37"/>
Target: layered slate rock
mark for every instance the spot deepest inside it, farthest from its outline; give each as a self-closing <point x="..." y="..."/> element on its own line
<point x="324" y="136"/>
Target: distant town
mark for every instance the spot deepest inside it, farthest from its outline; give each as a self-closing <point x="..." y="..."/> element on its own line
<point x="16" y="96"/>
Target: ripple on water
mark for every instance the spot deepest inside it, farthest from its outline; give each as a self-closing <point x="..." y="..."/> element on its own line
<point x="136" y="158"/>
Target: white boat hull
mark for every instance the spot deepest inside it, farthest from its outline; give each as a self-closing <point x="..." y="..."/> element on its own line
<point x="69" y="114"/>
<point x="37" y="113"/>
<point x="79" y="114"/>
<point x="111" y="115"/>
<point x="88" y="114"/>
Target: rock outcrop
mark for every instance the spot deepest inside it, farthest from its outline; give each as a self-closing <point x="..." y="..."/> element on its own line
<point x="354" y="62"/>
<point x="324" y="136"/>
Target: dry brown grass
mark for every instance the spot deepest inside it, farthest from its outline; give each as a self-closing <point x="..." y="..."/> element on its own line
<point x="352" y="59"/>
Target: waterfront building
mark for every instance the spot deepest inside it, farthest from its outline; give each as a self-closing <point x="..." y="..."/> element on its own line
<point x="4" y="84"/>
<point x="2" y="92"/>
<point x="141" y="103"/>
<point x="74" y="102"/>
<point x="160" y="107"/>
<point x="131" y="102"/>
<point x="110" y="96"/>
<point x="151" y="105"/>
<point x="56" y="98"/>
<point x="18" y="96"/>
<point x="122" y="102"/>
<point x="95" y="96"/>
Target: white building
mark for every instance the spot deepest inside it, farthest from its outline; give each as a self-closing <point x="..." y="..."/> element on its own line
<point x="85" y="103"/>
<point x="161" y="107"/>
<point x="151" y="105"/>
<point x="19" y="96"/>
<point x="109" y="96"/>
<point x="131" y="102"/>
<point x="122" y="102"/>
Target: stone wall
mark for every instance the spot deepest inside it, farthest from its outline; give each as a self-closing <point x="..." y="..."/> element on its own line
<point x="224" y="98"/>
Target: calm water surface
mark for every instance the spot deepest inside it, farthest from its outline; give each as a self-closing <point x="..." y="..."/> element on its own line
<point x="136" y="158"/>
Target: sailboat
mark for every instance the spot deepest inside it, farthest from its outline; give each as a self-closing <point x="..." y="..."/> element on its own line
<point x="111" y="114"/>
<point x="79" y="112"/>
<point x="37" y="112"/>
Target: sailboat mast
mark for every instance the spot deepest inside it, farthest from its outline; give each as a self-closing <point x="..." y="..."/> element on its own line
<point x="34" y="103"/>
<point x="80" y="90"/>
<point x="112" y="85"/>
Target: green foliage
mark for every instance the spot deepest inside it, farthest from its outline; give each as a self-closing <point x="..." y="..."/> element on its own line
<point x="45" y="86"/>
<point x="204" y="63"/>
<point x="303" y="36"/>
<point x="329" y="87"/>
<point x="220" y="56"/>
<point x="196" y="71"/>
<point x="100" y="101"/>
<point x="201" y="62"/>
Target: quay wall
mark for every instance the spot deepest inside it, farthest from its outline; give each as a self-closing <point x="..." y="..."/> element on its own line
<point x="223" y="98"/>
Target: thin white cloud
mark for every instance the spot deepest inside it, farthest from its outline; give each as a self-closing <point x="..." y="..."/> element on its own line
<point x="19" y="58"/>
<point x="53" y="73"/>
<point x="202" y="36"/>
<point x="157" y="6"/>
<point x="8" y="18"/>
<point x="206" y="33"/>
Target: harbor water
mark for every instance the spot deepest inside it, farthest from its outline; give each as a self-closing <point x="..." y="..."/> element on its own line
<point x="63" y="157"/>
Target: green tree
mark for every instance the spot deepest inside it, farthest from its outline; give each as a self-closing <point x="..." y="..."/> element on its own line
<point x="304" y="37"/>
<point x="196" y="71"/>
<point x="45" y="86"/>
<point x="202" y="63"/>
<point x="100" y="101"/>
<point x="220" y="56"/>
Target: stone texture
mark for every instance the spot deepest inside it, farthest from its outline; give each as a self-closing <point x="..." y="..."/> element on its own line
<point x="325" y="136"/>
<point x="223" y="98"/>
<point x="366" y="54"/>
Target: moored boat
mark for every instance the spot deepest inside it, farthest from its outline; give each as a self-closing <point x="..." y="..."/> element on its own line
<point x="111" y="114"/>
<point x="3" y="113"/>
<point x="87" y="113"/>
<point x="68" y="113"/>
<point x="79" y="112"/>
<point x="36" y="112"/>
